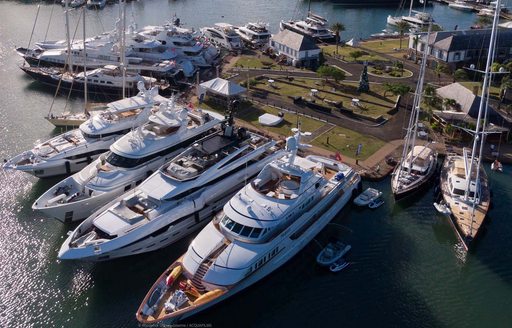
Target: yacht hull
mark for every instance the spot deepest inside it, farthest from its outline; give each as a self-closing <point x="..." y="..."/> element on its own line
<point x="424" y="183"/>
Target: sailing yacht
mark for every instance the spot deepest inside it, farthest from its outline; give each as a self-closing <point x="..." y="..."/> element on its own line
<point x="464" y="183"/>
<point x="418" y="162"/>
<point x="130" y="160"/>
<point x="71" y="151"/>
<point x="176" y="200"/>
<point x="260" y="228"/>
<point x="103" y="82"/>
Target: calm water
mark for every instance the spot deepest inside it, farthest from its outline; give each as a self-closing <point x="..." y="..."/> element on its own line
<point x="407" y="269"/>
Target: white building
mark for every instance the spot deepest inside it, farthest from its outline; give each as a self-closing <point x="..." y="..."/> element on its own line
<point x="298" y="49"/>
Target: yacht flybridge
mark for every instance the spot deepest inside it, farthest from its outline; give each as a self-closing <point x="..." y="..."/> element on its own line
<point x="130" y="160"/>
<point x="176" y="200"/>
<point x="223" y="35"/>
<point x="72" y="151"/>
<point x="418" y="162"/>
<point x="266" y="223"/>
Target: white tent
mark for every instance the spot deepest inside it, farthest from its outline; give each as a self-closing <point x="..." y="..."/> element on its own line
<point x="221" y="87"/>
<point x="352" y="43"/>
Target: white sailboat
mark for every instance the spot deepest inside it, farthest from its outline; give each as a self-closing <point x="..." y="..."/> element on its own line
<point x="260" y="228"/>
<point x="464" y="182"/>
<point x="418" y="162"/>
<point x="416" y="19"/>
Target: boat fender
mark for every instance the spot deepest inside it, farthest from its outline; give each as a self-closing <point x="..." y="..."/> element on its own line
<point x="208" y="296"/>
<point x="174" y="274"/>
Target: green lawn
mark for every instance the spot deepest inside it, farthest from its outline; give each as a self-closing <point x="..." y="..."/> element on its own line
<point x="254" y="62"/>
<point x="385" y="46"/>
<point x="494" y="91"/>
<point x="372" y="104"/>
<point x="344" y="53"/>
<point x="346" y="141"/>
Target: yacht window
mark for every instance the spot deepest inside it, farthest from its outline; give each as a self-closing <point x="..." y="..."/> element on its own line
<point x="255" y="233"/>
<point x="246" y="231"/>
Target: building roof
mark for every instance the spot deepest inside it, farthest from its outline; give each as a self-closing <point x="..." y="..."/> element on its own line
<point x="468" y="101"/>
<point x="295" y="41"/>
<point x="223" y="87"/>
<point x="468" y="39"/>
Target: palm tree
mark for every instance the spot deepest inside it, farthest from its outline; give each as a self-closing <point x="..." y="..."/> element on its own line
<point x="439" y="69"/>
<point x="402" y="26"/>
<point x="337" y="28"/>
<point x="415" y="42"/>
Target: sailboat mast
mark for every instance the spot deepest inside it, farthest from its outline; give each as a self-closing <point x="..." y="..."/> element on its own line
<point x="410" y="8"/>
<point x="68" y="37"/>
<point x="485" y="94"/>
<point x="122" y="40"/>
<point x="85" y="63"/>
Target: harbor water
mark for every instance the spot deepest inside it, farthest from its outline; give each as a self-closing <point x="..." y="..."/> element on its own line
<point x="407" y="270"/>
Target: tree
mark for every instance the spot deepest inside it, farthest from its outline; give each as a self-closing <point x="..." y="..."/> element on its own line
<point x="364" y="84"/>
<point x="483" y="21"/>
<point x="399" y="66"/>
<point x="415" y="42"/>
<point x="396" y="89"/>
<point x="439" y="69"/>
<point x="356" y="54"/>
<point x="330" y="72"/>
<point x="337" y="28"/>
<point x="402" y="26"/>
<point x="460" y="74"/>
<point x="450" y="104"/>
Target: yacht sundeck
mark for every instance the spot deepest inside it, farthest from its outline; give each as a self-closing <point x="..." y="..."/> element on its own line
<point x="260" y="228"/>
<point x="175" y="201"/>
<point x="131" y="159"/>
<point x="71" y="151"/>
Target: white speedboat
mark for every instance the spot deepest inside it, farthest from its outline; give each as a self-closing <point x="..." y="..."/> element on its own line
<point x="71" y="151"/>
<point x="175" y="201"/>
<point x="367" y="196"/>
<point x="224" y="35"/>
<point x="255" y="35"/>
<point x="442" y="208"/>
<point x="332" y="252"/>
<point x="461" y="5"/>
<point x="131" y="159"/>
<point x="265" y="224"/>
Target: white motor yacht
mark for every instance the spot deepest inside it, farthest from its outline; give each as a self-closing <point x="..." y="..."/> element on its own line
<point x="71" y="151"/>
<point x="100" y="4"/>
<point x="176" y="200"/>
<point x="255" y="35"/>
<point x="130" y="160"/>
<point x="313" y="26"/>
<point x="260" y="228"/>
<point x="223" y="35"/>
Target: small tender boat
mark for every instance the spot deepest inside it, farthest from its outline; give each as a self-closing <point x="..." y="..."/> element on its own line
<point x="497" y="166"/>
<point x="377" y="202"/>
<point x="442" y="208"/>
<point x="339" y="265"/>
<point x="332" y="253"/>
<point x="367" y="197"/>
